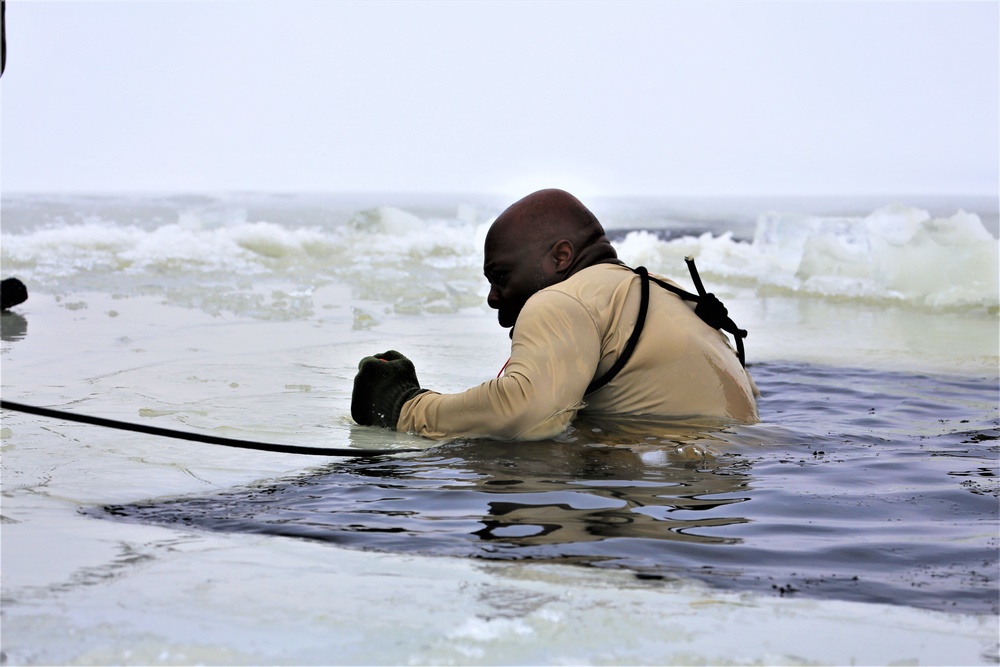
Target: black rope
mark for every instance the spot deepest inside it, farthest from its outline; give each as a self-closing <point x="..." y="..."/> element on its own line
<point x="711" y="310"/>
<point x="197" y="437"/>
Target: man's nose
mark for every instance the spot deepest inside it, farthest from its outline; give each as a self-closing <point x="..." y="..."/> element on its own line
<point x="493" y="298"/>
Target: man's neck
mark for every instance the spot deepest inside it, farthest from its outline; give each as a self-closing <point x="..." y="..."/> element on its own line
<point x="599" y="253"/>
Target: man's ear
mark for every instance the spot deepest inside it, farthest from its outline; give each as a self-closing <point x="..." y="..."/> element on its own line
<point x="562" y="254"/>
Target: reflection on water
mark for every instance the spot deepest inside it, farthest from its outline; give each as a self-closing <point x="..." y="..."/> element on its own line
<point x="483" y="498"/>
<point x="859" y="485"/>
<point x="13" y="326"/>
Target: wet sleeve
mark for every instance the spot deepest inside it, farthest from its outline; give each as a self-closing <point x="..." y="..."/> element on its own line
<point x="554" y="355"/>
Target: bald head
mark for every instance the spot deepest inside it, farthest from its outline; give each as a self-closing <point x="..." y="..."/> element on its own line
<point x="538" y="241"/>
<point x="545" y="217"/>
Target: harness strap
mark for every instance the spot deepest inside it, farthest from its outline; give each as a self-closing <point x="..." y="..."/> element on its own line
<point x="633" y="340"/>
<point x="709" y="309"/>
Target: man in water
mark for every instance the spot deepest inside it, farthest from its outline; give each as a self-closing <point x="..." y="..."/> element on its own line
<point x="555" y="278"/>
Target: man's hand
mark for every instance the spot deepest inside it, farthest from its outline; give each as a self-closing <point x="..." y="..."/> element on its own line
<point x="383" y="384"/>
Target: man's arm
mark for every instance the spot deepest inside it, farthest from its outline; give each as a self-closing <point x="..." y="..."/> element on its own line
<point x="554" y="354"/>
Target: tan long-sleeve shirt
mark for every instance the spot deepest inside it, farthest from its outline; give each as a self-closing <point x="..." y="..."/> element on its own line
<point x="574" y="331"/>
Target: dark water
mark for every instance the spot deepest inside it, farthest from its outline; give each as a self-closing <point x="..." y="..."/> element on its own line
<point x="859" y="485"/>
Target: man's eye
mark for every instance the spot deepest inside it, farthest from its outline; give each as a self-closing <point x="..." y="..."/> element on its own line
<point x="499" y="278"/>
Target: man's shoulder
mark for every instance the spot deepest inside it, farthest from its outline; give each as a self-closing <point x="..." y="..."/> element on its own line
<point x="593" y="278"/>
<point x="605" y="287"/>
<point x="587" y="291"/>
<point x="593" y="290"/>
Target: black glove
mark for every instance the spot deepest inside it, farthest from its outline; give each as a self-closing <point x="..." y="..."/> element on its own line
<point x="383" y="384"/>
<point x="12" y="292"/>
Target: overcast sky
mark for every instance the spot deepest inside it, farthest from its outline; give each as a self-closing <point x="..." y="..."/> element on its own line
<point x="644" y="98"/>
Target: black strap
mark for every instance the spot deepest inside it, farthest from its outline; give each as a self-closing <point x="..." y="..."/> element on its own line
<point x="633" y="340"/>
<point x="197" y="437"/>
<point x="709" y="309"/>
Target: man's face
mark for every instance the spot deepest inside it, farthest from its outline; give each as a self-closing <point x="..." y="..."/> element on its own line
<point x="515" y="273"/>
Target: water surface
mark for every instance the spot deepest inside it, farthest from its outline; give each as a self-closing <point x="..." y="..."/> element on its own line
<point x="891" y="496"/>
